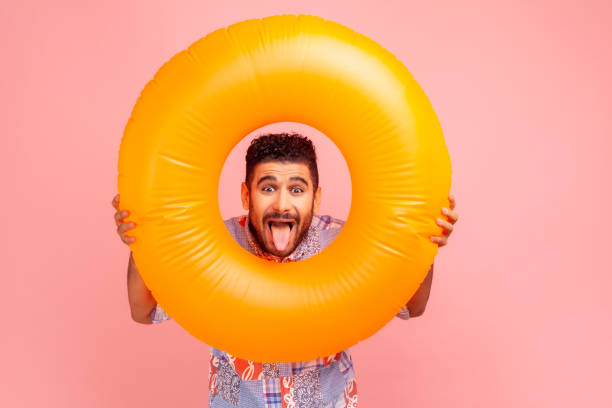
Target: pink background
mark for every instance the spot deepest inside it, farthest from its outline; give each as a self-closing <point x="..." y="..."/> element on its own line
<point x="519" y="314"/>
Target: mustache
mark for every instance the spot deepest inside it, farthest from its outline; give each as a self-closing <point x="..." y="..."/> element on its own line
<point x="284" y="216"/>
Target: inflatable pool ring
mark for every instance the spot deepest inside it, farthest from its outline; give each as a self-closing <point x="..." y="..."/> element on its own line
<point x="205" y="100"/>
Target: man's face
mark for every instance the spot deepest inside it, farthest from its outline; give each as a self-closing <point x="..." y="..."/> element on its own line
<point x="281" y="201"/>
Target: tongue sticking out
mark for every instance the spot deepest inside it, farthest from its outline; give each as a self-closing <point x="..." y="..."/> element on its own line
<point x="280" y="235"/>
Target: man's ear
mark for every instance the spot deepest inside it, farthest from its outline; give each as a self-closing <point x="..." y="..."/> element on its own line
<point x="317" y="200"/>
<point x="244" y="196"/>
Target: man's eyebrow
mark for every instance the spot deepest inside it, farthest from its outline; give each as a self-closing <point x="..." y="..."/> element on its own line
<point x="298" y="179"/>
<point x="266" y="178"/>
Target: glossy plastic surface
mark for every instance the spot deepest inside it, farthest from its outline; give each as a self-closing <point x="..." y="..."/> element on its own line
<point x="237" y="79"/>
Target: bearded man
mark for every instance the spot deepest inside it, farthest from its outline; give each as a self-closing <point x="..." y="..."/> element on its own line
<point x="282" y="195"/>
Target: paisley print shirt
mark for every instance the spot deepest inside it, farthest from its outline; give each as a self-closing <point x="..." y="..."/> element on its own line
<point x="327" y="382"/>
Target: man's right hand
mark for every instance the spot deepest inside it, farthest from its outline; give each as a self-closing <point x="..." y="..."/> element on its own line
<point x="141" y="300"/>
<point x="122" y="227"/>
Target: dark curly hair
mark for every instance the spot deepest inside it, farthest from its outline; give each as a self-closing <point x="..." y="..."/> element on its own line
<point x="282" y="147"/>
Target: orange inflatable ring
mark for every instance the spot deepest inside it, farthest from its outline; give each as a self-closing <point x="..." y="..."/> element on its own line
<point x="238" y="79"/>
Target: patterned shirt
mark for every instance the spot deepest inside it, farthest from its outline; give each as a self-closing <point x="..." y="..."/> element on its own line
<point x="327" y="382"/>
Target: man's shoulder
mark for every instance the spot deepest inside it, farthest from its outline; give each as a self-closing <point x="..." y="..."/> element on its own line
<point x="236" y="227"/>
<point x="239" y="220"/>
<point x="328" y="228"/>
<point x="327" y="222"/>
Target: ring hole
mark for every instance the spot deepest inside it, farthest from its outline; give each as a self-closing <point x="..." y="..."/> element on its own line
<point x="334" y="176"/>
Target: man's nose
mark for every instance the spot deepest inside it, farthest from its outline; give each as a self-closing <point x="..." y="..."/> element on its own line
<point x="283" y="203"/>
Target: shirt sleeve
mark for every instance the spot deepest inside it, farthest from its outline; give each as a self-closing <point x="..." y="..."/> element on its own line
<point x="158" y="315"/>
<point x="404" y="313"/>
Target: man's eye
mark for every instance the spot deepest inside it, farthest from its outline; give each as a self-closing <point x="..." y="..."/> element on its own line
<point x="268" y="189"/>
<point x="297" y="190"/>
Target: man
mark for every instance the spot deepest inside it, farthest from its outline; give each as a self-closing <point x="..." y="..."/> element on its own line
<point x="282" y="195"/>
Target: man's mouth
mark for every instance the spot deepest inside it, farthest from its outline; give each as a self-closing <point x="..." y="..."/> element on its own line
<point x="281" y="231"/>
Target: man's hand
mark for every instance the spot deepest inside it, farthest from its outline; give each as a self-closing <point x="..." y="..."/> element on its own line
<point x="122" y="227"/>
<point x="416" y="305"/>
<point x="448" y="226"/>
<point x="141" y="300"/>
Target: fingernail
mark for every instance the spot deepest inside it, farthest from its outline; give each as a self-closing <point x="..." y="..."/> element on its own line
<point x="445" y="211"/>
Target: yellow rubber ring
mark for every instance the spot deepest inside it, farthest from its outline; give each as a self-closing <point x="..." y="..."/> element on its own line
<point x="207" y="98"/>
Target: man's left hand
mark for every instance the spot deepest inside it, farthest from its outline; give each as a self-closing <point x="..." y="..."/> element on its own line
<point x="448" y="224"/>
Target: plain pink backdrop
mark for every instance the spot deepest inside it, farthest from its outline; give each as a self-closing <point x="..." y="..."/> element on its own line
<point x="520" y="311"/>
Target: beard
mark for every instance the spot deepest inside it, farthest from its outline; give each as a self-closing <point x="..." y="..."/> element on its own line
<point x="260" y="226"/>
